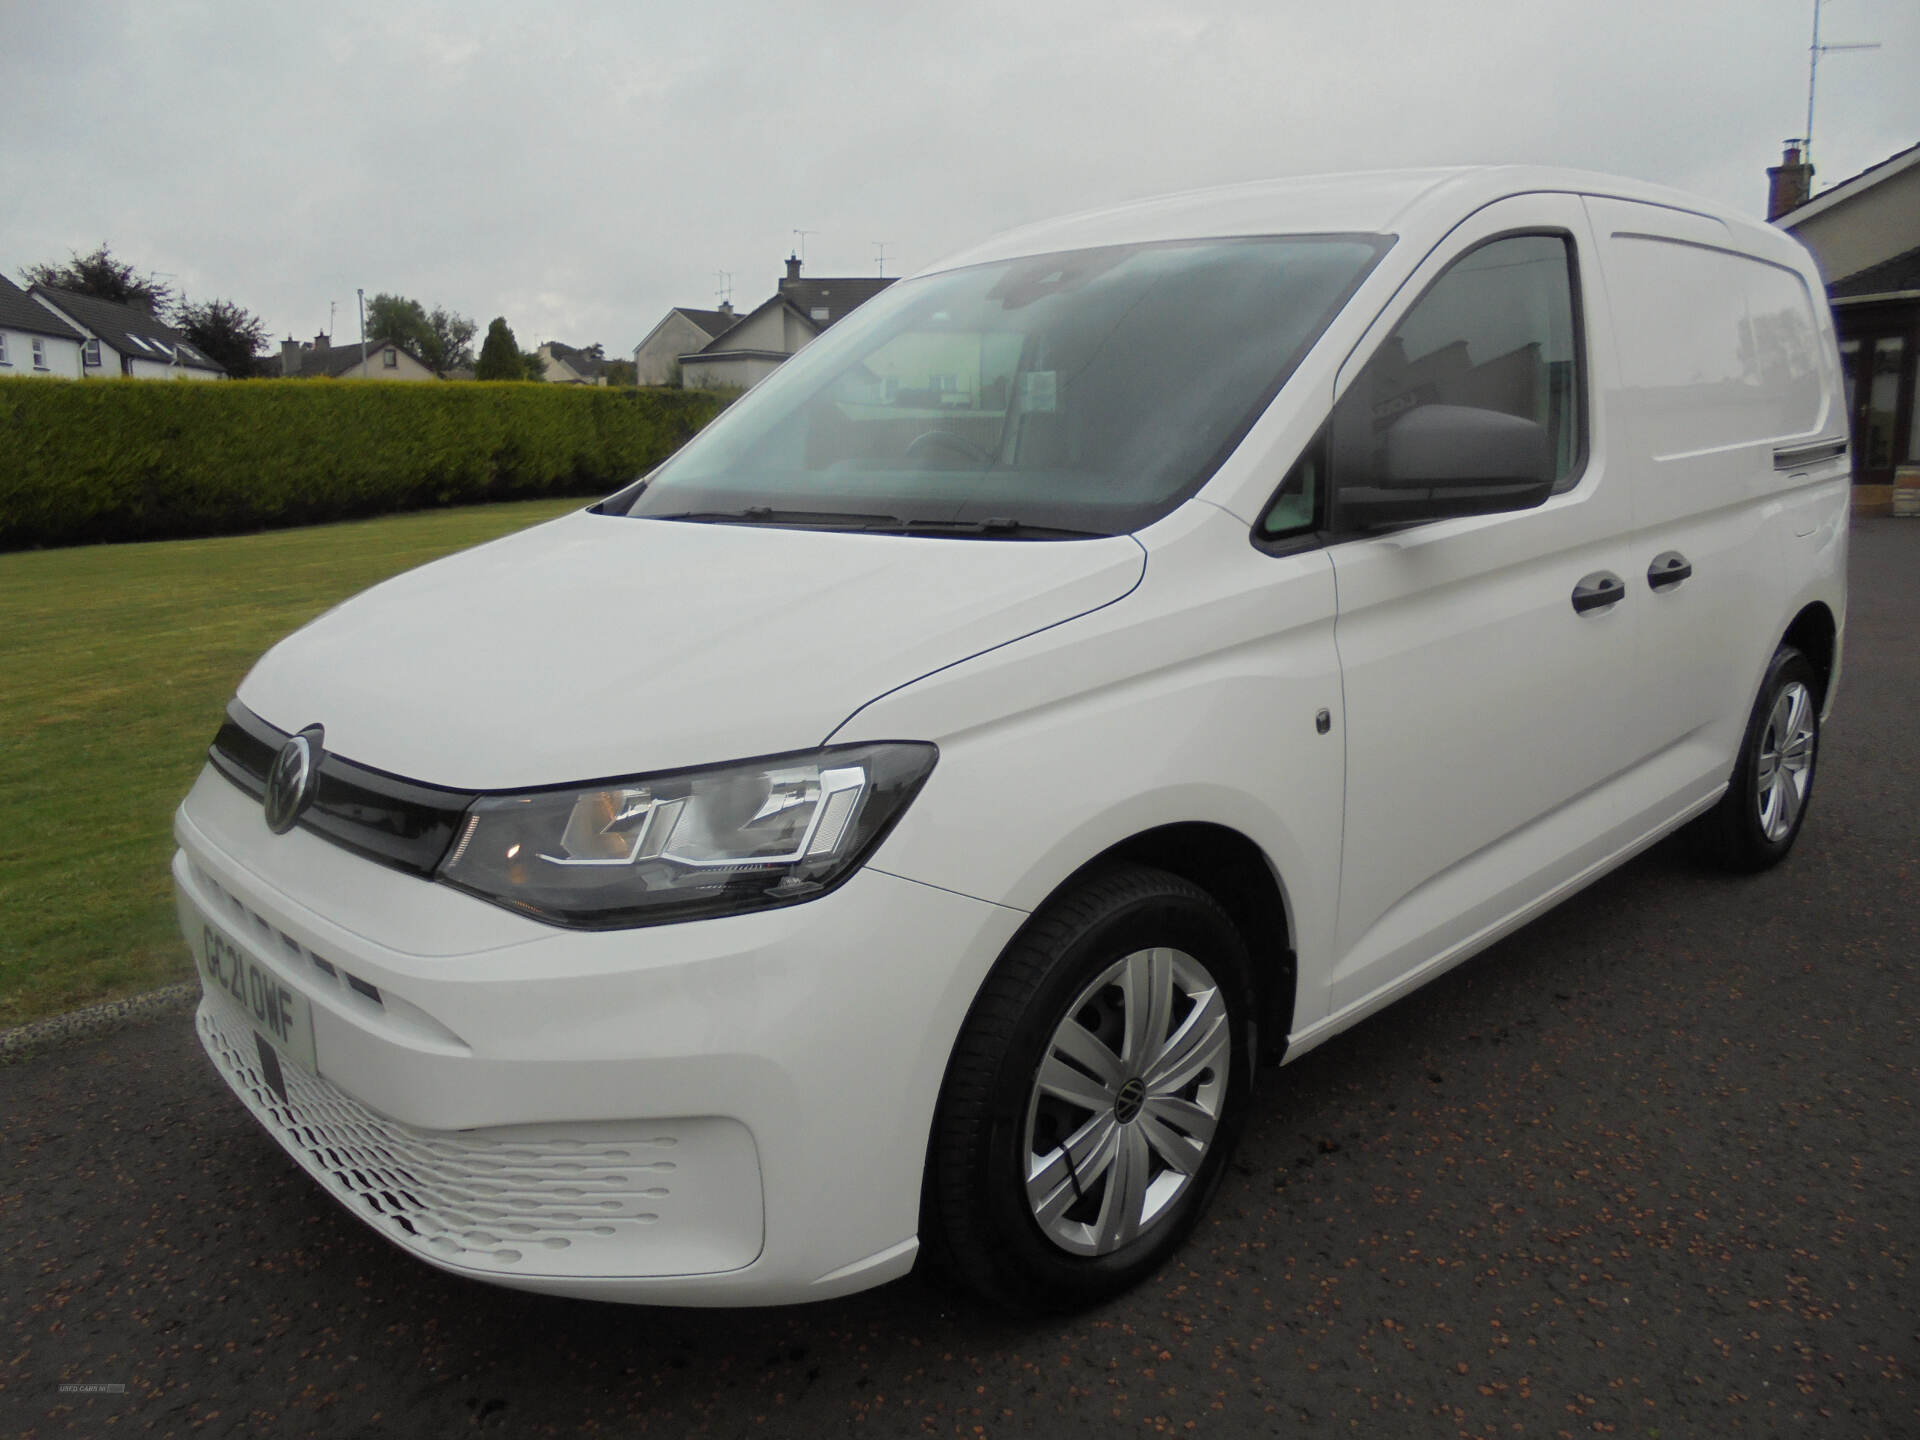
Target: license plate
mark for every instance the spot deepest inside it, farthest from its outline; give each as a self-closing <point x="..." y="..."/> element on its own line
<point x="278" y="1013"/>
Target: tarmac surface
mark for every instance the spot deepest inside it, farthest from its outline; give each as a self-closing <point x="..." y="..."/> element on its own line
<point x="1646" y="1168"/>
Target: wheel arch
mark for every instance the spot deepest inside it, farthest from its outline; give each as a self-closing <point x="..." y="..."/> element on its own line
<point x="1237" y="873"/>
<point x="1815" y="634"/>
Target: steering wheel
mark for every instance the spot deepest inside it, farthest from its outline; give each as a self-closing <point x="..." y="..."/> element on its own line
<point x="952" y="441"/>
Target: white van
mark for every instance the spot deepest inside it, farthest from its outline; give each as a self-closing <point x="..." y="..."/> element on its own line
<point x="1138" y="648"/>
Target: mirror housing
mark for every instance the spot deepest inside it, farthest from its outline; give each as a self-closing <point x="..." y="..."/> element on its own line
<point x="1444" y="461"/>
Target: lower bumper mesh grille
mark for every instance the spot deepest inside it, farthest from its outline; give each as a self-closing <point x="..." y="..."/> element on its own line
<point x="534" y="1199"/>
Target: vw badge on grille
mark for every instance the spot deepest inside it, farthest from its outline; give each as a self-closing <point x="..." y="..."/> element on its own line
<point x="290" y="784"/>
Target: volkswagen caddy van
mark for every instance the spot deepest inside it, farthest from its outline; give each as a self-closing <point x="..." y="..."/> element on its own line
<point x="1129" y="652"/>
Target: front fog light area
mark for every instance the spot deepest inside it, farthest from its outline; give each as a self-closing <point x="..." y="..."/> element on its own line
<point x="689" y="843"/>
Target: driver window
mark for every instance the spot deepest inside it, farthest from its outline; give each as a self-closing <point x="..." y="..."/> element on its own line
<point x="1495" y="332"/>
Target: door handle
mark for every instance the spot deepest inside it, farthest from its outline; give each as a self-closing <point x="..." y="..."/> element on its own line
<point x="1597" y="591"/>
<point x="1668" y="569"/>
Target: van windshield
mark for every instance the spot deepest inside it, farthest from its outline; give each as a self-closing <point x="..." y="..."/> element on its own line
<point x="1080" y="393"/>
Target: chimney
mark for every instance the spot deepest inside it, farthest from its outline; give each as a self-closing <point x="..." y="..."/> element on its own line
<point x="793" y="272"/>
<point x="321" y="345"/>
<point x="1790" y="183"/>
<point x="289" y="356"/>
<point x="726" y="308"/>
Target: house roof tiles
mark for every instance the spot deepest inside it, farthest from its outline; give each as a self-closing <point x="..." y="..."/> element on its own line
<point x="18" y="311"/>
<point x="1901" y="273"/>
<point x="1873" y="175"/>
<point x="576" y="359"/>
<point x="835" y="294"/>
<point x="340" y="360"/>
<point x="714" y="322"/>
<point x="126" y="328"/>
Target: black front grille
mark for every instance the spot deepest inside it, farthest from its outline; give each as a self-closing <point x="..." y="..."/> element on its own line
<point x="369" y="812"/>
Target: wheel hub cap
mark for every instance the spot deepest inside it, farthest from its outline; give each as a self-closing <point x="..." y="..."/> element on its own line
<point x="1125" y="1103"/>
<point x="1785" y="764"/>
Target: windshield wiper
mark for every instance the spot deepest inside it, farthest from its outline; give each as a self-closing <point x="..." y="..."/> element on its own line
<point x="994" y="525"/>
<point x="767" y="515"/>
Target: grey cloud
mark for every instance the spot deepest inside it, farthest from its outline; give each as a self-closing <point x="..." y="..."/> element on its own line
<point x="581" y="167"/>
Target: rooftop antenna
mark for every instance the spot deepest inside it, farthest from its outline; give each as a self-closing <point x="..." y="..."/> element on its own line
<point x="723" y="290"/>
<point x="880" y="254"/>
<point x="800" y="251"/>
<point x="332" y="305"/>
<point x="1815" y="51"/>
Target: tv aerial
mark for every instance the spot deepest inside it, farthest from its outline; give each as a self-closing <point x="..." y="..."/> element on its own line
<point x="1814" y="52"/>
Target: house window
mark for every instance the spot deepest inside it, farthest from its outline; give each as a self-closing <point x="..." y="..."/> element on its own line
<point x="390" y="358"/>
<point x="39" y="354"/>
<point x="3" y="351"/>
<point x="819" y="312"/>
<point x="90" y="353"/>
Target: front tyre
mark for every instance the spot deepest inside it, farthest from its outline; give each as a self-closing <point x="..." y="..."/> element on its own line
<point x="1095" y="1094"/>
<point x="1757" y="820"/>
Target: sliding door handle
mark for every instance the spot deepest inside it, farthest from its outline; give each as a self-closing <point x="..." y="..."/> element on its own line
<point x="1597" y="591"/>
<point x="1668" y="569"/>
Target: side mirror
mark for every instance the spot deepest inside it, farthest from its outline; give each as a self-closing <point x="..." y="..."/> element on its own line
<point x="1442" y="461"/>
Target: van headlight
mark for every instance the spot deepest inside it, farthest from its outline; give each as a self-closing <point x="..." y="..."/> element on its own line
<point x="687" y="843"/>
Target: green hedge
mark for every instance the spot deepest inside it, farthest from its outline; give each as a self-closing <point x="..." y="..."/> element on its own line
<point x="84" y="461"/>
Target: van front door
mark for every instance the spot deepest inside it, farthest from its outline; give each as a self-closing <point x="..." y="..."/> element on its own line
<point x="1483" y="661"/>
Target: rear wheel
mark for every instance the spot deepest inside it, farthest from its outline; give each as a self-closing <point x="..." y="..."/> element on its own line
<point x="1759" y="817"/>
<point x="1095" y="1094"/>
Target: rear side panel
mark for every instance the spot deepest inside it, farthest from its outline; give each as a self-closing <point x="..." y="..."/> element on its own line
<point x="1726" y="415"/>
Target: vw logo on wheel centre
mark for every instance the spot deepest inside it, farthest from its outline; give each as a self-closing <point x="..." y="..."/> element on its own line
<point x="291" y="781"/>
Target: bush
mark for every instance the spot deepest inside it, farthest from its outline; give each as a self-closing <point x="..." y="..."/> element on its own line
<point x="148" y="460"/>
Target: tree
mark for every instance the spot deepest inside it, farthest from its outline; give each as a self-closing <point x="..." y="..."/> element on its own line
<point x="395" y="318"/>
<point x="448" y="343"/>
<point x="533" y="365"/>
<point x="621" y="372"/>
<point x="440" y="339"/>
<point x="499" y="354"/>
<point x="222" y="331"/>
<point x="105" y="278"/>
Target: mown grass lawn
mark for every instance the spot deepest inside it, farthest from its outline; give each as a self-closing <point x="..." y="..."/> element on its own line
<point x="115" y="664"/>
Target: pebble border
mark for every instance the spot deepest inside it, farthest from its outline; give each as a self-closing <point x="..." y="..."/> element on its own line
<point x="96" y="1020"/>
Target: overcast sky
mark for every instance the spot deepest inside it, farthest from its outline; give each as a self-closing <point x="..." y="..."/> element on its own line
<point x="579" y="168"/>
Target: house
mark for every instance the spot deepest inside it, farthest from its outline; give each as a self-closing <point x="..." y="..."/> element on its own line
<point x="1865" y="232"/>
<point x="383" y="360"/>
<point x="33" y="340"/>
<point x="656" y="359"/>
<point x="129" y="340"/>
<point x="567" y="365"/>
<point x="754" y="346"/>
<point x="752" y="349"/>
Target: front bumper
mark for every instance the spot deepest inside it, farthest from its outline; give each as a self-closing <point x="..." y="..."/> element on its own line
<point x="729" y="1111"/>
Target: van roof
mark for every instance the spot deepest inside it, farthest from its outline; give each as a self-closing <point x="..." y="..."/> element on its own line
<point x="1411" y="203"/>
